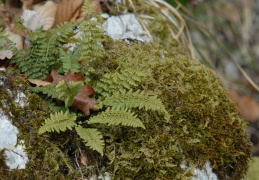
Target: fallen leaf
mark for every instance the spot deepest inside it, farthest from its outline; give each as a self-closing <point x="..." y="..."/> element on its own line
<point x="249" y="107"/>
<point x="81" y="101"/>
<point x="66" y="10"/>
<point x="6" y="54"/>
<point x="48" y="12"/>
<point x="16" y="38"/>
<point x="80" y="14"/>
<point x="83" y="158"/>
<point x="26" y="4"/>
<point x="38" y="82"/>
<point x="70" y="10"/>
<point x="53" y="77"/>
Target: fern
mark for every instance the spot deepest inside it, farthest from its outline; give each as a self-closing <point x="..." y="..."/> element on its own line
<point x="2" y="38"/>
<point x="36" y="62"/>
<point x="62" y="91"/>
<point x="87" y="8"/>
<point x="61" y="34"/>
<point x="67" y="92"/>
<point x="92" y="137"/>
<point x="116" y="116"/>
<point x="112" y="82"/>
<point x="48" y="90"/>
<point x="70" y="60"/>
<point x="137" y="99"/>
<point x="92" y="36"/>
<point x="59" y="121"/>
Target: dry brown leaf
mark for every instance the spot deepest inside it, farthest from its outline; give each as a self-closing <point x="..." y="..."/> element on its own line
<point x="6" y="54"/>
<point x="70" y="10"/>
<point x="53" y="77"/>
<point x="48" y="12"/>
<point x="249" y="107"/>
<point x="38" y="82"/>
<point x="67" y="9"/>
<point x="16" y="38"/>
<point x="26" y="4"/>
<point x="81" y="101"/>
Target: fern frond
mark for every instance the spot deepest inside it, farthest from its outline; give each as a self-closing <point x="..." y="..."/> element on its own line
<point x="92" y="138"/>
<point x="37" y="61"/>
<point x="2" y="38"/>
<point x="59" y="121"/>
<point x="115" y="116"/>
<point x="137" y="99"/>
<point x="67" y="92"/>
<point x="113" y="82"/>
<point x="70" y="60"/>
<point x="61" y="34"/>
<point x="87" y="8"/>
<point x="49" y="90"/>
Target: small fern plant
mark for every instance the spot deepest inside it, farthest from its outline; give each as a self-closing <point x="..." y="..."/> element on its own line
<point x="92" y="37"/>
<point x="116" y="97"/>
<point x="118" y="92"/>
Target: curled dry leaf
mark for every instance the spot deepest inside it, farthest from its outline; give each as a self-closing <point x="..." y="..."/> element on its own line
<point x="16" y="38"/>
<point x="26" y="4"/>
<point x="53" y="77"/>
<point x="70" y="10"/>
<point x="38" y="82"/>
<point x="249" y="107"/>
<point x="6" y="54"/>
<point x="81" y="101"/>
<point x="80" y="14"/>
<point x="48" y="12"/>
<point x="66" y="10"/>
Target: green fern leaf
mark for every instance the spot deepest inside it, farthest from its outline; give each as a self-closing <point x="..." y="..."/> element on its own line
<point x="115" y="116"/>
<point x="59" y="121"/>
<point x="70" y="60"/>
<point x="87" y="8"/>
<point x="137" y="99"/>
<point x="114" y="82"/>
<point x="67" y="92"/>
<point x="92" y="137"/>
<point x="49" y="90"/>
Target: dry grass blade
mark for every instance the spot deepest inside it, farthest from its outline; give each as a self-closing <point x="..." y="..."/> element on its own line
<point x="141" y="22"/>
<point x="175" y="18"/>
<point x="232" y="58"/>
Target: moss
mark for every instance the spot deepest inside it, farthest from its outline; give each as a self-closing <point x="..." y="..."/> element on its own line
<point x="204" y="124"/>
<point x="46" y="160"/>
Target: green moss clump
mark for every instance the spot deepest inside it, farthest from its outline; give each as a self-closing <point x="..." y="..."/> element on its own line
<point x="46" y="160"/>
<point x="204" y="125"/>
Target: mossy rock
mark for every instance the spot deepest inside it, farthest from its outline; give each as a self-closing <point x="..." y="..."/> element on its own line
<point x="46" y="160"/>
<point x="204" y="125"/>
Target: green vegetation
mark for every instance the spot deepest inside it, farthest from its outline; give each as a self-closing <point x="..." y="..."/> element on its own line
<point x="157" y="110"/>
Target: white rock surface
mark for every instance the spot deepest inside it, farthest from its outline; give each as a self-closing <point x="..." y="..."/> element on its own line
<point x="32" y="19"/>
<point x="204" y="174"/>
<point x="125" y="27"/>
<point x="15" y="157"/>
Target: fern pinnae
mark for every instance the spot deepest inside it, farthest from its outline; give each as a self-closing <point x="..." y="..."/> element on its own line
<point x="59" y="121"/>
<point x="117" y="116"/>
<point x="92" y="138"/>
<point x="137" y="99"/>
<point x="66" y="93"/>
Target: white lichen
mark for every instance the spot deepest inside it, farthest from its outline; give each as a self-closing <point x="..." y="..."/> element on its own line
<point x="125" y="27"/>
<point x="32" y="19"/>
<point x="15" y="156"/>
<point x="202" y="174"/>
